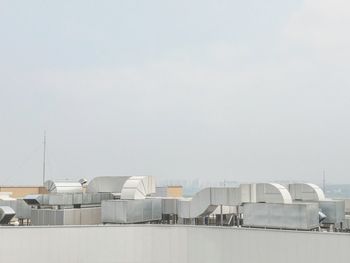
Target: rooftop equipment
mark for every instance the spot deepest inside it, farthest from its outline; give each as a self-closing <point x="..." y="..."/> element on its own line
<point x="107" y="184"/>
<point x="303" y="216"/>
<point x="206" y="201"/>
<point x="264" y="193"/>
<point x="6" y="214"/>
<point x="138" y="187"/>
<point x="131" y="211"/>
<point x="306" y="192"/>
<point x="63" y="186"/>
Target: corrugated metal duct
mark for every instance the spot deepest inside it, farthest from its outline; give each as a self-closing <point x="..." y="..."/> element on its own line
<point x="63" y="186"/>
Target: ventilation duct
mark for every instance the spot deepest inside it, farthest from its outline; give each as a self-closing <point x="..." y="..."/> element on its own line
<point x="6" y="214"/>
<point x="138" y="187"/>
<point x="63" y="186"/>
<point x="107" y="184"/>
<point x="306" y="192"/>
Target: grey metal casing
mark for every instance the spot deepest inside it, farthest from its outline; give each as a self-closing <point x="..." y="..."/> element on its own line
<point x="334" y="210"/>
<point x="302" y="216"/>
<point x="131" y="211"/>
<point x="73" y="216"/>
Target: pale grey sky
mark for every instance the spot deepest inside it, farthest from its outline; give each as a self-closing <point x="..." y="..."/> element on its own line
<point x="237" y="90"/>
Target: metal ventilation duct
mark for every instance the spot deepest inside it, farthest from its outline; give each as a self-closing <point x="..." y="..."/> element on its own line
<point x="6" y="214"/>
<point x="107" y="184"/>
<point x="138" y="187"/>
<point x="206" y="201"/>
<point x="306" y="192"/>
<point x="272" y="193"/>
<point x="35" y="199"/>
<point x="321" y="216"/>
<point x="67" y="199"/>
<point x="63" y="186"/>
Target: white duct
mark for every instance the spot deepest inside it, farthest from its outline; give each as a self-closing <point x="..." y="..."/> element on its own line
<point x="206" y="201"/>
<point x="107" y="184"/>
<point x="138" y="187"/>
<point x="264" y="193"/>
<point x="306" y="192"/>
<point x="272" y="193"/>
<point x="63" y="186"/>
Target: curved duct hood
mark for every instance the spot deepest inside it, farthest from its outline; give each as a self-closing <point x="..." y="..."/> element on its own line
<point x="63" y="186"/>
<point x="265" y="193"/>
<point x="207" y="200"/>
<point x="272" y="193"/>
<point x="306" y="192"/>
<point x="138" y="187"/>
<point x="107" y="184"/>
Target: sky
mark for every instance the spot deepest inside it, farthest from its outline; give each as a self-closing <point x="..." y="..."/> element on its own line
<point x="211" y="90"/>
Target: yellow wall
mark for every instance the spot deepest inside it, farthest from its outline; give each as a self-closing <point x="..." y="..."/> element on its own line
<point x="175" y="191"/>
<point x="21" y="191"/>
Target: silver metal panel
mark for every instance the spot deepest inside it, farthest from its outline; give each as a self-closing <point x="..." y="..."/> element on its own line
<point x="131" y="211"/>
<point x="138" y="187"/>
<point x="347" y="222"/>
<point x="61" y="199"/>
<point x="78" y="198"/>
<point x="205" y="201"/>
<point x="183" y="206"/>
<point x="67" y="199"/>
<point x="63" y="186"/>
<point x="71" y="216"/>
<point x="33" y="199"/>
<point x="306" y="192"/>
<point x="23" y="211"/>
<point x="90" y="216"/>
<point x="334" y="210"/>
<point x="286" y="216"/>
<point x="169" y="206"/>
<point x="6" y="214"/>
<point x="272" y="193"/>
<point x="74" y="216"/>
<point x="347" y="206"/>
<point x="42" y="217"/>
<point x="107" y="184"/>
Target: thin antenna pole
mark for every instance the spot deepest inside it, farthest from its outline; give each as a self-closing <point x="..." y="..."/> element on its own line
<point x="44" y="158"/>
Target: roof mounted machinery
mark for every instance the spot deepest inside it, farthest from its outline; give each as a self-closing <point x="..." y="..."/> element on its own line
<point x="306" y="192"/>
<point x="6" y="214"/>
<point x="62" y="187"/>
<point x="207" y="200"/>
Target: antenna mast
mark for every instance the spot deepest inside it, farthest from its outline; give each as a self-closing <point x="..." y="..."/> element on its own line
<point x="44" y="158"/>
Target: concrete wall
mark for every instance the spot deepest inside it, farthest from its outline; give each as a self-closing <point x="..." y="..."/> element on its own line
<point x="164" y="243"/>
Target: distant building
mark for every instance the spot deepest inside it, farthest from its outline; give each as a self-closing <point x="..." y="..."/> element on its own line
<point x="21" y="191"/>
<point x="169" y="191"/>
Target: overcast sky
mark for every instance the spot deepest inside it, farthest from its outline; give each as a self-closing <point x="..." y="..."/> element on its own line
<point x="237" y="90"/>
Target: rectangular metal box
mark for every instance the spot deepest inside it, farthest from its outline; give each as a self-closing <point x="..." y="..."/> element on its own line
<point x="334" y="210"/>
<point x="169" y="206"/>
<point x="23" y="211"/>
<point x="303" y="216"/>
<point x="74" y="216"/>
<point x="131" y="211"/>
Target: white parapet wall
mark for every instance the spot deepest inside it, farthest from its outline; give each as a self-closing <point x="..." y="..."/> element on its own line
<point x="169" y="244"/>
